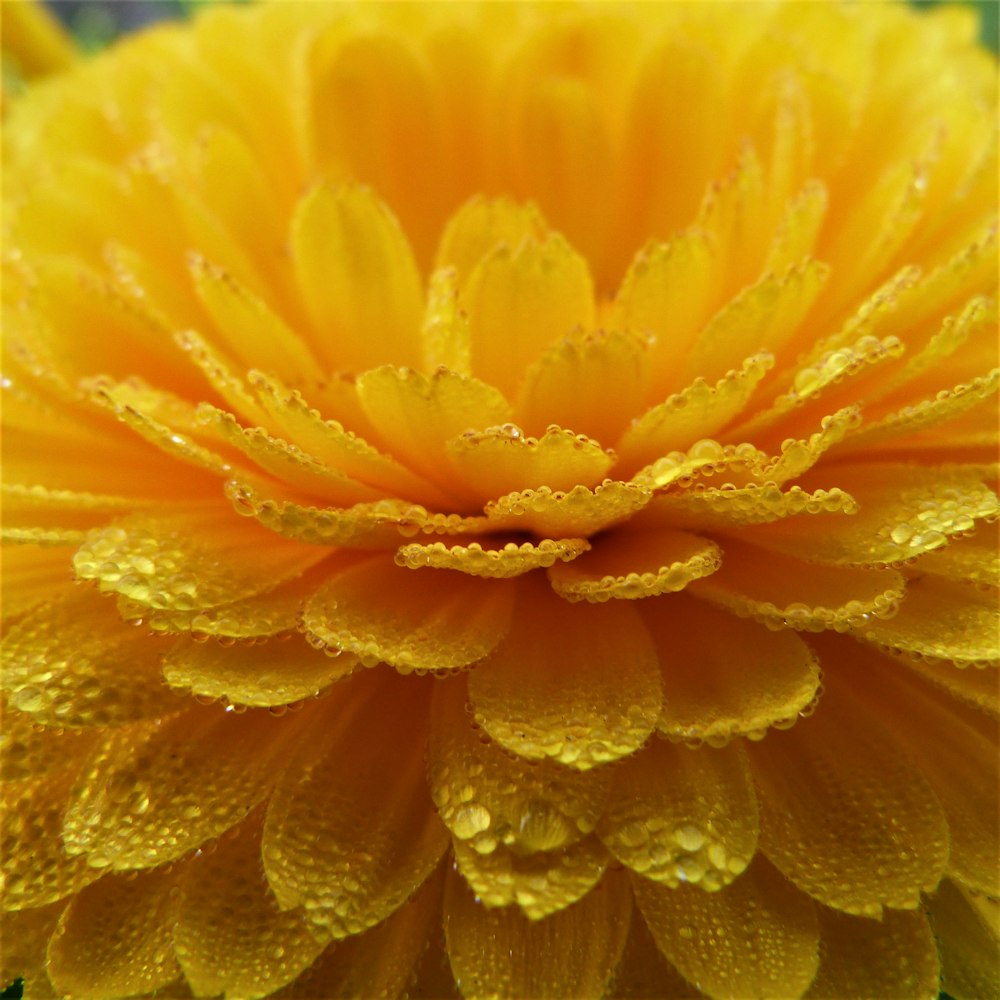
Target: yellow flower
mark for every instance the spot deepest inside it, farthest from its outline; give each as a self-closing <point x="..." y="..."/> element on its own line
<point x="541" y="448"/>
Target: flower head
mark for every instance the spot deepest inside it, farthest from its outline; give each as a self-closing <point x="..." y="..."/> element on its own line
<point x="503" y="504"/>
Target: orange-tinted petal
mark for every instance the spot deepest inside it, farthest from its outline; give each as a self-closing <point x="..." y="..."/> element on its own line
<point x="357" y="277"/>
<point x="437" y="621"/>
<point x="630" y="565"/>
<point x="781" y="590"/>
<point x="844" y="811"/>
<point x="882" y="959"/>
<point x="724" y="676"/>
<point x="153" y="791"/>
<point x="939" y="619"/>
<point x="62" y="665"/>
<point x="757" y="937"/>
<point x="540" y="883"/>
<point x="29" y="751"/>
<point x="680" y="815"/>
<point x="574" y="683"/>
<point x="230" y="935"/>
<point x="644" y="971"/>
<point x="487" y="796"/>
<point x="351" y="830"/>
<point x="115" y="938"/>
<point x="276" y="673"/>
<point x="975" y="559"/>
<point x="32" y="575"/>
<point x="500" y="952"/>
<point x="26" y="936"/>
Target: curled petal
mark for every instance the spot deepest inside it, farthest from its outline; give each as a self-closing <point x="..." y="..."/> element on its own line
<point x="496" y="559"/>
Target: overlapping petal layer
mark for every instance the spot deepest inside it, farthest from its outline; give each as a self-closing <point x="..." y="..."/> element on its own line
<point x="529" y="476"/>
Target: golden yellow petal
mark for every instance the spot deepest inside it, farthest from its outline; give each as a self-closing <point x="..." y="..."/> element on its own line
<point x="501" y="460"/>
<point x="496" y="559"/>
<point x="189" y="559"/>
<point x="32" y="575"/>
<point x="628" y="565"/>
<point x="539" y="883"/>
<point x="36" y="868"/>
<point x="967" y="941"/>
<point x="579" y="511"/>
<point x="229" y="933"/>
<point x="277" y="673"/>
<point x="153" y="791"/>
<point x="580" y="381"/>
<point x="723" y="676"/>
<point x="35" y="39"/>
<point x="780" y="590"/>
<point x="26" y="936"/>
<point x="62" y="666"/>
<point x="500" y="952"/>
<point x="644" y="971"/>
<point x="350" y="844"/>
<point x="372" y="610"/>
<point x="358" y="279"/>
<point x="974" y="559"/>
<point x="681" y="815"/>
<point x="755" y="937"/>
<point x="571" y="682"/>
<point x="487" y="796"/>
<point x="882" y="959"/>
<point x="520" y="299"/>
<point x="28" y="750"/>
<point x="844" y="812"/>
<point x="114" y="939"/>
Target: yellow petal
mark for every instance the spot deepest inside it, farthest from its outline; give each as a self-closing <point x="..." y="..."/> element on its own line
<point x="844" y="812"/>
<point x="644" y="971"/>
<point x="445" y="331"/>
<point x="696" y="412"/>
<point x="539" y="883"/>
<point x="967" y="943"/>
<point x="277" y="673"/>
<point x="974" y="687"/>
<point x="115" y="939"/>
<point x="580" y="381"/>
<point x="62" y="665"/>
<point x="29" y="751"/>
<point x="31" y="576"/>
<point x="756" y="937"/>
<point x="358" y="279"/>
<point x="26" y="936"/>
<point x="882" y="959"/>
<point x="574" y="683"/>
<point x="955" y="751"/>
<point x="762" y="317"/>
<point x="379" y="611"/>
<point x="780" y="590"/>
<point x="666" y="294"/>
<point x="248" y="328"/>
<point x="680" y="815"/>
<point x="520" y="300"/>
<point x="904" y="512"/>
<point x="40" y="506"/>
<point x="495" y="559"/>
<point x="351" y="843"/>
<point x="230" y="935"/>
<point x="580" y="511"/>
<point x="36" y="867"/>
<point x="154" y="791"/>
<point x="973" y="559"/>
<point x="488" y="797"/>
<point x="630" y="565"/>
<point x="416" y="414"/>
<point x="943" y="620"/>
<point x="724" y="676"/>
<point x="500" y="952"/>
<point x="501" y="460"/>
<point x="380" y="962"/>
<point x="189" y="560"/>
<point x="35" y="39"/>
<point x="335" y="447"/>
<point x="286" y="461"/>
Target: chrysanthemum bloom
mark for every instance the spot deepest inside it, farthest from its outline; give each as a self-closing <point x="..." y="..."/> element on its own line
<point x="497" y="494"/>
